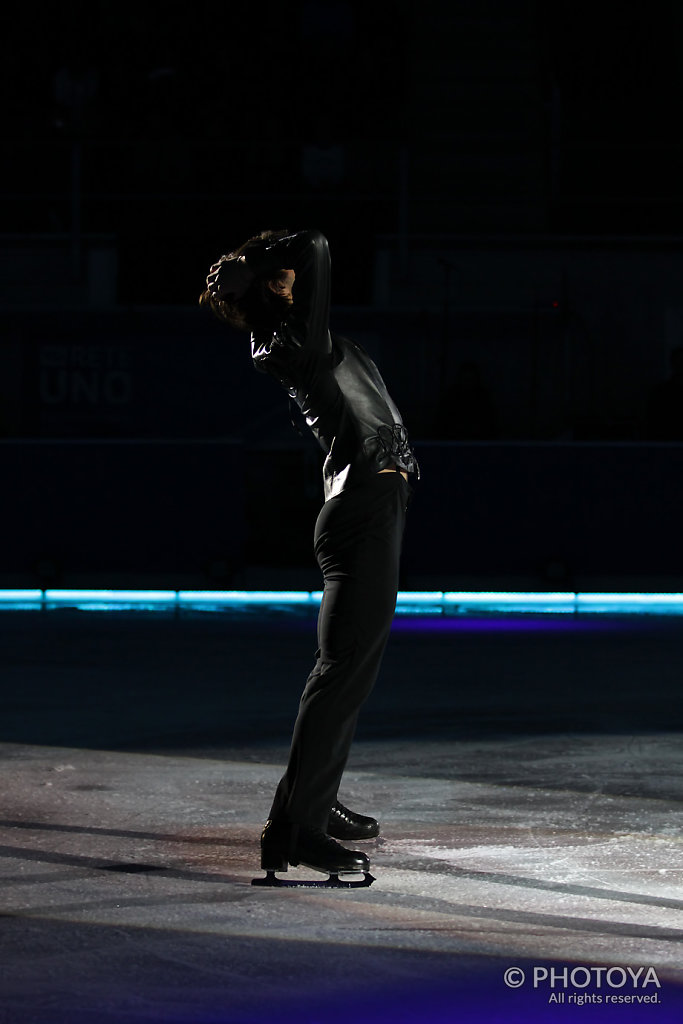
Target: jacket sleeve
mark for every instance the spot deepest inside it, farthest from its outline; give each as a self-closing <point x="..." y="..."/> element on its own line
<point x="307" y="254"/>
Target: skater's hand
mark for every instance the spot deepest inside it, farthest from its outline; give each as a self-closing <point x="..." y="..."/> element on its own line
<point x="229" y="278"/>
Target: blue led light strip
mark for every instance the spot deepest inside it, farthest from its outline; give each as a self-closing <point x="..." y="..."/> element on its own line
<point x="409" y="602"/>
<point x="110" y="596"/>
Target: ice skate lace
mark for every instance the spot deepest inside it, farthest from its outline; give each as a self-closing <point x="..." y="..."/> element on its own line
<point x="313" y="836"/>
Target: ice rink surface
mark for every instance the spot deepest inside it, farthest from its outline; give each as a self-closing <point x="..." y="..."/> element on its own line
<point x="526" y="771"/>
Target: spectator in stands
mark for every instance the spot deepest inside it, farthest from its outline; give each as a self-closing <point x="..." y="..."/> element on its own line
<point x="665" y="405"/>
<point x="466" y="410"/>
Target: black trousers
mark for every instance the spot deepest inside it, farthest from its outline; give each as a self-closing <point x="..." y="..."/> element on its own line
<point x="358" y="538"/>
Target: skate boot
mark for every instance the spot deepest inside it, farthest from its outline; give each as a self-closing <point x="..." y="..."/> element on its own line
<point x="346" y="824"/>
<point x="283" y="843"/>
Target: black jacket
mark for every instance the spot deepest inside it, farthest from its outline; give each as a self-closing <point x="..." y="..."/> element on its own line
<point x="334" y="382"/>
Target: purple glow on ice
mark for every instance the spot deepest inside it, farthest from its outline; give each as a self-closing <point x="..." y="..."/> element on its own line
<point x="438" y="999"/>
<point x="505" y="623"/>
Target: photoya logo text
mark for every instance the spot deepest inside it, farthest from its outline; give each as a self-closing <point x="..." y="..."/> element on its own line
<point x="583" y="977"/>
<point x="600" y="977"/>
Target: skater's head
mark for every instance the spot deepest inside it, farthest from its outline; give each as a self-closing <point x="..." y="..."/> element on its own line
<point x="262" y="304"/>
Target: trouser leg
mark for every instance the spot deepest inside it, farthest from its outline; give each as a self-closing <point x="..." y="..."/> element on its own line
<point x="357" y="542"/>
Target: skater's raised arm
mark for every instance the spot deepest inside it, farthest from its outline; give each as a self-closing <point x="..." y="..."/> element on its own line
<point x="307" y="254"/>
<point x="273" y="279"/>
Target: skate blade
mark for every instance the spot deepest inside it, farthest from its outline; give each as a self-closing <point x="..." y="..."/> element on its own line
<point x="333" y="882"/>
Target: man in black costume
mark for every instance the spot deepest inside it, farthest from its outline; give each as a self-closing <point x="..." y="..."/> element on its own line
<point x="277" y="286"/>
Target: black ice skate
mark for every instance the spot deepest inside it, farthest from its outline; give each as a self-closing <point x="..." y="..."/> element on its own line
<point x="345" y="824"/>
<point x="283" y="844"/>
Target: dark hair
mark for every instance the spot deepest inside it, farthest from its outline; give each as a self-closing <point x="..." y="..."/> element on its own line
<point x="259" y="308"/>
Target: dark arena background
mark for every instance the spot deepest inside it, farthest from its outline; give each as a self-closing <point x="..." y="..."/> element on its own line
<point x="501" y="184"/>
